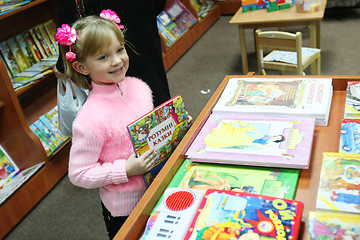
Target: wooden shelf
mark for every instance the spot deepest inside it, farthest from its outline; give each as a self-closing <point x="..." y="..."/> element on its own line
<point x="308" y="181"/>
<point x="228" y="6"/>
<point x="184" y="43"/>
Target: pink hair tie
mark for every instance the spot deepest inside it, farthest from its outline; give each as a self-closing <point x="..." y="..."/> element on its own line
<point x="67" y="36"/>
<point x="112" y="16"/>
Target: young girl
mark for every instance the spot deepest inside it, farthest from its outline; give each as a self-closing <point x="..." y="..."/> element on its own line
<point x="102" y="155"/>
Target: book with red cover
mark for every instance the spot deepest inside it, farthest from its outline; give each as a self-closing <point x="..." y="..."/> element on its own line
<point x="257" y="141"/>
<point x="238" y="215"/>
<point x="160" y="129"/>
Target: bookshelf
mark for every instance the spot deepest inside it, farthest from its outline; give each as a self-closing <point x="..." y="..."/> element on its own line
<point x="181" y="45"/>
<point x="308" y="181"/>
<point x="18" y="109"/>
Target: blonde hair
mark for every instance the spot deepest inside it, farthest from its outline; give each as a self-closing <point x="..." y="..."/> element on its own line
<point x="94" y="34"/>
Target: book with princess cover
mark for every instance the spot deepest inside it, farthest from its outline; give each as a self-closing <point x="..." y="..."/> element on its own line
<point x="330" y="225"/>
<point x="275" y="182"/>
<point x="238" y="215"/>
<point x="339" y="187"/>
<point x="258" y="141"/>
<point x="277" y="97"/>
<point x="160" y="129"/>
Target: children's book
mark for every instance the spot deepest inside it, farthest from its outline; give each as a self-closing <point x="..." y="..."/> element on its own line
<point x="38" y="43"/>
<point x="8" y="167"/>
<point x="35" y="52"/>
<point x="339" y="188"/>
<point x="160" y="129"/>
<point x="9" y="59"/>
<point x="47" y="39"/>
<point x="238" y="215"/>
<point x="53" y="142"/>
<point x="350" y="136"/>
<point x="50" y="28"/>
<point x="53" y="116"/>
<point x="181" y="15"/>
<point x="42" y="40"/>
<point x="330" y="225"/>
<point x="277" y="97"/>
<point x="26" y="51"/>
<point x="259" y="141"/>
<point x="58" y="138"/>
<point x="17" y="53"/>
<point x="48" y="147"/>
<point x="352" y="104"/>
<point x="173" y="215"/>
<point x="275" y="182"/>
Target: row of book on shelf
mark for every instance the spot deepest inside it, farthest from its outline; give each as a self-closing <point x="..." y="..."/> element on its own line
<point x="240" y="174"/>
<point x="31" y="54"/>
<point x="10" y="5"/>
<point x="176" y="19"/>
<point x="46" y="128"/>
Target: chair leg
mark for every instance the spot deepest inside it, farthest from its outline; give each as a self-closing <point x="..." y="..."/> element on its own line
<point x="318" y="65"/>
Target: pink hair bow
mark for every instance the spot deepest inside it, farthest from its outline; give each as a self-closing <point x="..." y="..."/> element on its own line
<point x="112" y="16"/>
<point x="67" y="36"/>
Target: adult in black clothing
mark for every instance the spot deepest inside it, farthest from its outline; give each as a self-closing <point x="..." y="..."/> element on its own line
<point x="144" y="48"/>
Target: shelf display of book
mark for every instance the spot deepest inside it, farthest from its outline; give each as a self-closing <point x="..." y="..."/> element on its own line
<point x="272" y="97"/>
<point x="257" y="141"/>
<point x="160" y="129"/>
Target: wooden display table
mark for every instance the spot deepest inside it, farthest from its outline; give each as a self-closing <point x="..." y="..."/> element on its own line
<point x="326" y="139"/>
<point x="282" y="18"/>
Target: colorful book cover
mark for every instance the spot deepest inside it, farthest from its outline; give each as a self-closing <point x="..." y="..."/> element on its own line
<point x="352" y="104"/>
<point x="350" y="136"/>
<point x="38" y="43"/>
<point x="17" y="52"/>
<point x="42" y="40"/>
<point x="160" y="129"/>
<point x="283" y="97"/>
<point x="9" y="59"/>
<point x="259" y="141"/>
<point x="53" y="129"/>
<point x="26" y="51"/>
<point x="53" y="116"/>
<point x="47" y="39"/>
<point x="53" y="142"/>
<point x="44" y="141"/>
<point x="330" y="225"/>
<point x="6" y="66"/>
<point x="181" y="15"/>
<point x="50" y="28"/>
<point x="339" y="188"/>
<point x="31" y="45"/>
<point x="238" y="215"/>
<point x="275" y="182"/>
<point x="8" y="167"/>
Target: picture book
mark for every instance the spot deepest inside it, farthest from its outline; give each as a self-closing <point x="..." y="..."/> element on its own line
<point x="259" y="141"/>
<point x="277" y="97"/>
<point x="48" y="147"/>
<point x="42" y="40"/>
<point x="160" y="129"/>
<point x="238" y="215"/>
<point x="17" y="180"/>
<point x="173" y="216"/>
<point x="31" y="45"/>
<point x="275" y="182"/>
<point x="339" y="187"/>
<point x="50" y="28"/>
<point x="17" y="53"/>
<point x="352" y="104"/>
<point x="26" y="51"/>
<point x="8" y="167"/>
<point x="330" y="225"/>
<point x="38" y="43"/>
<point x="53" y="142"/>
<point x="350" y="136"/>
<point x="169" y="39"/>
<point x="181" y="15"/>
<point x="47" y="39"/>
<point x="9" y="59"/>
<point x="55" y="131"/>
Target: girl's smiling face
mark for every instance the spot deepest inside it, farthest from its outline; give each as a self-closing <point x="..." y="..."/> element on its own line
<point x="107" y="66"/>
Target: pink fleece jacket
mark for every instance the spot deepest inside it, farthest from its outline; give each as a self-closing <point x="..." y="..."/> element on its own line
<point x="101" y="143"/>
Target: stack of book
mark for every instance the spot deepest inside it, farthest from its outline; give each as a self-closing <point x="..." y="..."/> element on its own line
<point x="174" y="21"/>
<point x="48" y="131"/>
<point x="31" y="54"/>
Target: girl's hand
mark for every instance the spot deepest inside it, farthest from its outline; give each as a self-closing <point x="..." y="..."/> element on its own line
<point x="142" y="164"/>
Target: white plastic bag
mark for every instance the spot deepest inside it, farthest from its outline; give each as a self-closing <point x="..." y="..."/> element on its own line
<point x="70" y="99"/>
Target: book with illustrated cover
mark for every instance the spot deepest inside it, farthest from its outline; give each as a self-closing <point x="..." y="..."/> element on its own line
<point x="26" y="51"/>
<point x="240" y="215"/>
<point x="30" y="42"/>
<point x="42" y="40"/>
<point x="45" y="142"/>
<point x="17" y="52"/>
<point x="169" y="39"/>
<point x="8" y="167"/>
<point x="6" y="66"/>
<point x="170" y="25"/>
<point x="47" y="39"/>
<point x="17" y="180"/>
<point x="339" y="188"/>
<point x="350" y="136"/>
<point x="259" y="141"/>
<point x="330" y="225"/>
<point x="160" y="129"/>
<point x="277" y="97"/>
<point x="38" y="43"/>
<point x="352" y="104"/>
<point x="50" y="28"/>
<point x="53" y="116"/>
<point x="9" y="59"/>
<point x="181" y="15"/>
<point x="53" y="129"/>
<point x="275" y="182"/>
<point x="53" y="142"/>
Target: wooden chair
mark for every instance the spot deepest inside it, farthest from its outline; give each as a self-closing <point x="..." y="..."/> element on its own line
<point x="286" y="52"/>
